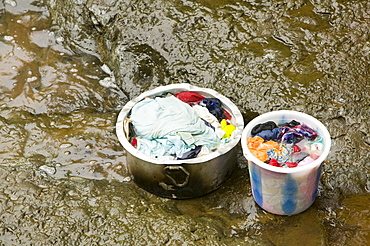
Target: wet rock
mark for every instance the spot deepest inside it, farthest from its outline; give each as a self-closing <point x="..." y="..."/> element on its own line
<point x="58" y="109"/>
<point x="323" y="42"/>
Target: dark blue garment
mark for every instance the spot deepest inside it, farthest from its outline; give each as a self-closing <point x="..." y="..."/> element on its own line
<point x="191" y="153"/>
<point x="269" y="125"/>
<point x="273" y="134"/>
<point x="290" y="124"/>
<point x="214" y="106"/>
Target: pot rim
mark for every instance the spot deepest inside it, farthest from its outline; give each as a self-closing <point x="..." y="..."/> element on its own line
<point x="238" y="121"/>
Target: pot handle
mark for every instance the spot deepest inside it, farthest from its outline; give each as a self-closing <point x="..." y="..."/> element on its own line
<point x="177" y="172"/>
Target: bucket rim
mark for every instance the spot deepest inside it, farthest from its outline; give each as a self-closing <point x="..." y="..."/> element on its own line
<point x="251" y="158"/>
<point x="223" y="149"/>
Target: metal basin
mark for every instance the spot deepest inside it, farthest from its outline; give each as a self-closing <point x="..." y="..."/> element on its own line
<point x="181" y="179"/>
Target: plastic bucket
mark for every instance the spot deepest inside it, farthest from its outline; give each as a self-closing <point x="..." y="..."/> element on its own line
<point x="285" y="191"/>
<point x="181" y="179"/>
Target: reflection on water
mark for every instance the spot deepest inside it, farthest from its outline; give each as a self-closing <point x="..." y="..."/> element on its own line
<point x="63" y="174"/>
<point x="53" y="107"/>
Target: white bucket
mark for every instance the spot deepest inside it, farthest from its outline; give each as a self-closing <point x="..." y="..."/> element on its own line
<point x="285" y="191"/>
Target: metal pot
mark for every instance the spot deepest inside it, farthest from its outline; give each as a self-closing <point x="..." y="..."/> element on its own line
<point x="181" y="179"/>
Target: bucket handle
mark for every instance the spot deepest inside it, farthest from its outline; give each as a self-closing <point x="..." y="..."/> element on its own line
<point x="169" y="171"/>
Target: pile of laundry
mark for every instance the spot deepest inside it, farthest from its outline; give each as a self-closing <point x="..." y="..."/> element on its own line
<point x="179" y="126"/>
<point x="287" y="145"/>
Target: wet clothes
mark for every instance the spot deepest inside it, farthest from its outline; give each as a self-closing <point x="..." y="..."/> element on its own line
<point x="281" y="153"/>
<point x="297" y="133"/>
<point x="227" y="128"/>
<point x="288" y="145"/>
<point x="191" y="154"/>
<point x="214" y="106"/>
<point x="274" y="162"/>
<point x="258" y="147"/>
<point x="292" y="123"/>
<point x="269" y="125"/>
<point x="205" y="115"/>
<point x="189" y="97"/>
<point x="273" y="134"/>
<point x="157" y="134"/>
<point x="307" y="160"/>
<point x="159" y="119"/>
<point x="170" y="145"/>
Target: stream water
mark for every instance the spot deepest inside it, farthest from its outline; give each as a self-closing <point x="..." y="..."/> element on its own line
<point x="63" y="174"/>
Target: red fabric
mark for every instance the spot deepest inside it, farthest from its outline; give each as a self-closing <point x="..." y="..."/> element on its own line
<point x="134" y="142"/>
<point x="291" y="164"/>
<point x="227" y="115"/>
<point x="296" y="149"/>
<point x="189" y="97"/>
<point x="275" y="163"/>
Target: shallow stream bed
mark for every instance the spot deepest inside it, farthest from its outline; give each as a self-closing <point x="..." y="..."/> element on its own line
<point x="68" y="67"/>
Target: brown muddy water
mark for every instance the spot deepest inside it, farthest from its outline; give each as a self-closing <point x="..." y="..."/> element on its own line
<point x="68" y="67"/>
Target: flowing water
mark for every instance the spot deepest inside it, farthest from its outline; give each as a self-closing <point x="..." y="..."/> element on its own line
<point x="63" y="175"/>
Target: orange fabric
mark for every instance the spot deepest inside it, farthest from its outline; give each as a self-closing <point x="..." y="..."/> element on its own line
<point x="258" y="147"/>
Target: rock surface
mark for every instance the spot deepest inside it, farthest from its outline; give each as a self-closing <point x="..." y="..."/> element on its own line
<point x="63" y="174"/>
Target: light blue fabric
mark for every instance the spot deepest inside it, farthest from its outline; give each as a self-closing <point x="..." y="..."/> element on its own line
<point x="169" y="145"/>
<point x="158" y="118"/>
